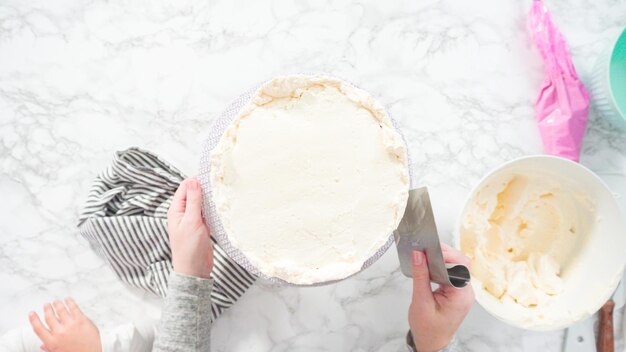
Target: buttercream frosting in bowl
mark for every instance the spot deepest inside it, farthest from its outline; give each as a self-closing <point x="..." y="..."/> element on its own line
<point x="544" y="237"/>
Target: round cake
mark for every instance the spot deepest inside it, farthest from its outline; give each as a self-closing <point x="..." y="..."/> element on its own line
<point x="310" y="179"/>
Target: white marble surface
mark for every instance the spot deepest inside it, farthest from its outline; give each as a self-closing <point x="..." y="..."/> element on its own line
<point x="81" y="79"/>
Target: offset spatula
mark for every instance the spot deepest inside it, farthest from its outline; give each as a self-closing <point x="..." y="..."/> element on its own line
<point x="580" y="336"/>
<point x="417" y="231"/>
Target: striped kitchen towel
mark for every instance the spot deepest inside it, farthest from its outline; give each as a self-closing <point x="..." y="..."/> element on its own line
<point x="125" y="221"/>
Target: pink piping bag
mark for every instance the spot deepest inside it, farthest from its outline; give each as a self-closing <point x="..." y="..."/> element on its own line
<point x="563" y="102"/>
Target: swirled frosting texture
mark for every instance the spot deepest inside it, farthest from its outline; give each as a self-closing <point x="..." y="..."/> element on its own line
<point x="310" y="179"/>
<point x="520" y="230"/>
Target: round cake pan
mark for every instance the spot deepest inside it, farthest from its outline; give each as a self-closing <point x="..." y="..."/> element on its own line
<point x="216" y="131"/>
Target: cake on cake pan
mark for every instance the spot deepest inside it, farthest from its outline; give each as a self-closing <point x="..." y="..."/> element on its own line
<point x="310" y="179"/>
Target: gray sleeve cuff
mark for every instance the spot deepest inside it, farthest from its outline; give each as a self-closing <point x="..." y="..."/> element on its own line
<point x="190" y="285"/>
<point x="186" y="317"/>
<point x="452" y="346"/>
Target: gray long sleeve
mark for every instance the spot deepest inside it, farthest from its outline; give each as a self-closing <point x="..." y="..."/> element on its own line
<point x="453" y="346"/>
<point x="186" y="318"/>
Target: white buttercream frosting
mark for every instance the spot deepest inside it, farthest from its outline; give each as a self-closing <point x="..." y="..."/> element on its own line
<point x="521" y="230"/>
<point x="310" y="179"/>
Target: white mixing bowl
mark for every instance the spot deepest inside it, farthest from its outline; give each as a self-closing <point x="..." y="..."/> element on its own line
<point x="594" y="271"/>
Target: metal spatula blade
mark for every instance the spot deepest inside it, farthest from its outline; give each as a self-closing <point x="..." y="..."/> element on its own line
<point x="417" y="231"/>
<point x="580" y="337"/>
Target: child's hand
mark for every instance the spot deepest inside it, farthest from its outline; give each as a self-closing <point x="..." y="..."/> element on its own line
<point x="192" y="248"/>
<point x="68" y="330"/>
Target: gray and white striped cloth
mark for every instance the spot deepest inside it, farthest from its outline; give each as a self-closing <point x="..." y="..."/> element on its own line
<point x="125" y="221"/>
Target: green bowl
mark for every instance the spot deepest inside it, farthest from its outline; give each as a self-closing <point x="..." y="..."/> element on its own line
<point x="608" y="85"/>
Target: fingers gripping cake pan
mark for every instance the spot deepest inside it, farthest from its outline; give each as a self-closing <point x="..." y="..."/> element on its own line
<point x="305" y="177"/>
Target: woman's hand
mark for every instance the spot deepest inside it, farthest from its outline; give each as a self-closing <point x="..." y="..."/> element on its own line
<point x="68" y="329"/>
<point x="434" y="317"/>
<point x="192" y="248"/>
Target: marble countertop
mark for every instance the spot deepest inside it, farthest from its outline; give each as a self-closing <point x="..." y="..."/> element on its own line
<point x="80" y="79"/>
